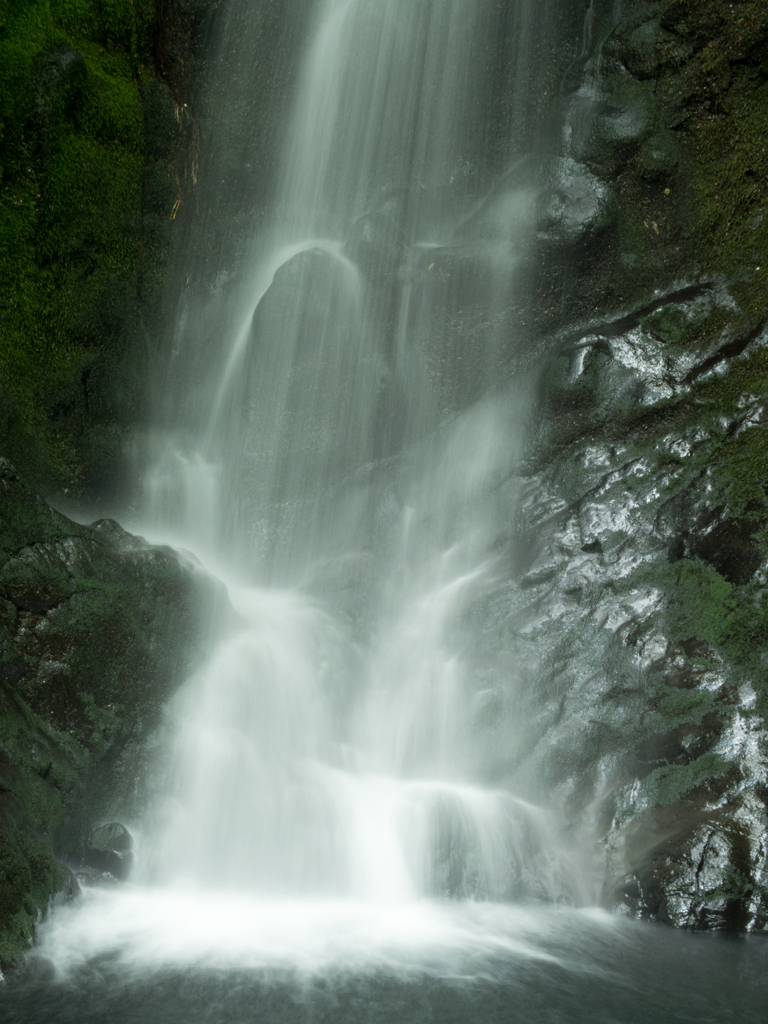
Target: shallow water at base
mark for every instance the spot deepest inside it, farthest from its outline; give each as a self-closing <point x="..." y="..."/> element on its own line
<point x="206" y="958"/>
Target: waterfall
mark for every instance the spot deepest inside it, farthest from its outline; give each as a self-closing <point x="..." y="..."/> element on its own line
<point x="338" y="442"/>
<point x="338" y="741"/>
<point x="443" y="647"/>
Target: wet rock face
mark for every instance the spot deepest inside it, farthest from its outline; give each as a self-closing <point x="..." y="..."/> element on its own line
<point x="640" y="594"/>
<point x="653" y="730"/>
<point x="97" y="629"/>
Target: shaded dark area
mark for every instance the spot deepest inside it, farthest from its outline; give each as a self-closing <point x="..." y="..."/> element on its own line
<point x="99" y="150"/>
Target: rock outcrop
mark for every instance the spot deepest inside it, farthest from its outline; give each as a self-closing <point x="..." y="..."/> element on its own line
<point x="637" y="612"/>
<point x="641" y="596"/>
<point x="97" y="629"/>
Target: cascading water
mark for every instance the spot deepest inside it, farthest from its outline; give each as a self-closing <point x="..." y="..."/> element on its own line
<point x="342" y="455"/>
<point x="344" y="811"/>
<point x="337" y="743"/>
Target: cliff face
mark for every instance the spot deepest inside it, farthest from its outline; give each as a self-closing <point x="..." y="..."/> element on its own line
<point x="98" y="154"/>
<point x="642" y="597"/>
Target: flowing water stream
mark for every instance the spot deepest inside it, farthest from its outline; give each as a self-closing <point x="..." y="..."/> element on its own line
<point x="343" y="832"/>
<point x="336" y="745"/>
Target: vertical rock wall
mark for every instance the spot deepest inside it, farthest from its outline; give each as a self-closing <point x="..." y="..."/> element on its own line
<point x="642" y="598"/>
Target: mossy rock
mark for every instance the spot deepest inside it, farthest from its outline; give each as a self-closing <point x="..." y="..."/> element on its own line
<point x="659" y="156"/>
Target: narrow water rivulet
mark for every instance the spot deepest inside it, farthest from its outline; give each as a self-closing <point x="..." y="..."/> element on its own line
<point x="340" y="828"/>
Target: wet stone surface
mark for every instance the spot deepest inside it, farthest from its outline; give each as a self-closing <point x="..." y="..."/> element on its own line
<point x="636" y="581"/>
<point x="639" y="554"/>
<point x="97" y="629"/>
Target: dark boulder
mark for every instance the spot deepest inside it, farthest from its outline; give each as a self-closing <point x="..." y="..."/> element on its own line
<point x="97" y="630"/>
<point x="109" y="851"/>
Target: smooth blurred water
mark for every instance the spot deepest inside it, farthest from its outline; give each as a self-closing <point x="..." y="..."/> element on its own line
<point x="339" y="741"/>
<point x="349" y="476"/>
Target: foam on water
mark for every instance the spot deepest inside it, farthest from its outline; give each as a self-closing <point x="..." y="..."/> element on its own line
<point x="148" y="929"/>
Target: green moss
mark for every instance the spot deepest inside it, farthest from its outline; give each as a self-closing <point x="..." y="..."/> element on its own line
<point x="679" y="707"/>
<point x="725" y="93"/>
<point x="729" y="173"/>
<point x="681" y="327"/>
<point x="29" y="875"/>
<point x="734" y="28"/>
<point x="693" y="196"/>
<point x="741" y="472"/>
<point x="736" y="885"/>
<point x="704" y="606"/>
<point x="15" y="883"/>
<point x="671" y="782"/>
<point x="747" y="640"/>
<point x="76" y="243"/>
<point x="113" y="24"/>
<point x="42" y="756"/>
<point x="104" y="721"/>
<point x="659" y="157"/>
<point x="45" y="774"/>
<point x="702" y="603"/>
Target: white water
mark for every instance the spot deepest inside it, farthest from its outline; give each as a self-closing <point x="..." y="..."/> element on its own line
<point x="216" y="931"/>
<point x="343" y="759"/>
<point x="334" y="749"/>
